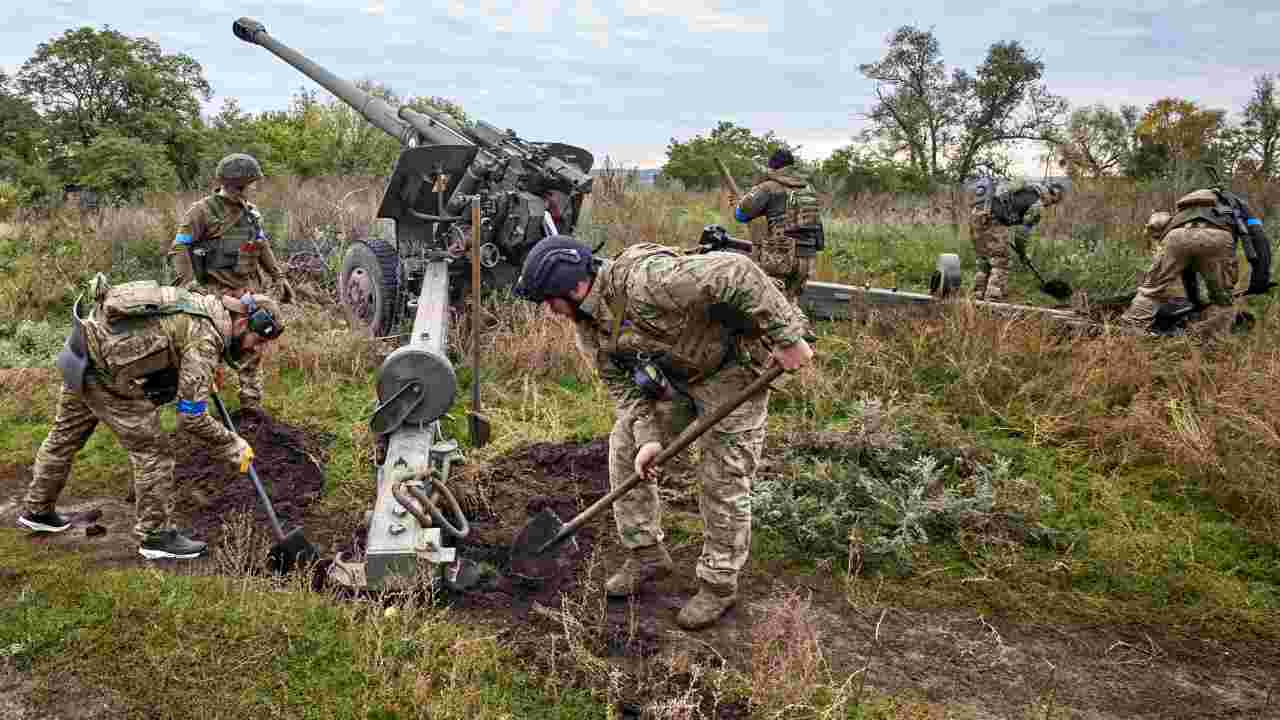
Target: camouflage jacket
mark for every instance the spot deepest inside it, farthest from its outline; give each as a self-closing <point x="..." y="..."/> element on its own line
<point x="126" y="351"/>
<point x="214" y="219"/>
<point x="769" y="198"/>
<point x="695" y="311"/>
<point x="1021" y="204"/>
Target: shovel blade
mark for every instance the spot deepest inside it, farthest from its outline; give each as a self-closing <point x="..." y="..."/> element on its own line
<point x="479" y="428"/>
<point x="292" y="552"/>
<point x="527" y="560"/>
<point x="1058" y="289"/>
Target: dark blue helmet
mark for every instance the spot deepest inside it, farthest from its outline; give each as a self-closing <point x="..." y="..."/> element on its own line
<point x="553" y="268"/>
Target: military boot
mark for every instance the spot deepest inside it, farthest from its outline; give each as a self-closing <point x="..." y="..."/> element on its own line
<point x="170" y="544"/>
<point x="652" y="562"/>
<point x="707" y="606"/>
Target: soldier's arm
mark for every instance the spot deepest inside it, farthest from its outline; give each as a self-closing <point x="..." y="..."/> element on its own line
<point x="753" y="204"/>
<point x="701" y="281"/>
<point x="192" y="228"/>
<point x="267" y="258"/>
<point x="1031" y="217"/>
<point x="201" y="355"/>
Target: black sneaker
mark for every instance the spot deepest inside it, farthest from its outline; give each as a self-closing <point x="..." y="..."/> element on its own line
<point x="49" y="522"/>
<point x="170" y="544"/>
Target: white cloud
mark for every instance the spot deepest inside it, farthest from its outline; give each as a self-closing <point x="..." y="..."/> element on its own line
<point x="376" y="8"/>
<point x="592" y="22"/>
<point x="698" y="16"/>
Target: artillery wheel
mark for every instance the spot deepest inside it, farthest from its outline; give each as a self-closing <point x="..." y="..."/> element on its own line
<point x="369" y="286"/>
<point x="946" y="278"/>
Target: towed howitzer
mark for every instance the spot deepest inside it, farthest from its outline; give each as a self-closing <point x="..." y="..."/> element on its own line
<point x="520" y="191"/>
<point x="526" y="190"/>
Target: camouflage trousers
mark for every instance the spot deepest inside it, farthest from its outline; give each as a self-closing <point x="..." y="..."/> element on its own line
<point x="730" y="453"/>
<point x="1208" y="251"/>
<point x="990" y="244"/>
<point x="250" y="371"/>
<point x="135" y="423"/>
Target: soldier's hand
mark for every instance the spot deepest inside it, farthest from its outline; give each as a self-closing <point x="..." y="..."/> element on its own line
<point x="792" y="357"/>
<point x="644" y="460"/>
<point x="243" y="454"/>
<point x="219" y="378"/>
<point x="733" y="199"/>
<point x="286" y="291"/>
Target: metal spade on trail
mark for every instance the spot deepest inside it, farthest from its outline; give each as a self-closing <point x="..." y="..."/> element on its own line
<point x="529" y="551"/>
<point x="1058" y="289"/>
<point x="291" y="549"/>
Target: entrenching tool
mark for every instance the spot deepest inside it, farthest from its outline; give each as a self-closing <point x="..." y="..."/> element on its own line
<point x="291" y="549"/>
<point x="545" y="531"/>
<point x="1055" y="288"/>
<point x="477" y="424"/>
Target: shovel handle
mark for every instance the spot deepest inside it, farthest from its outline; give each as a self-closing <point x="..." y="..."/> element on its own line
<point x="253" y="474"/>
<point x="682" y="441"/>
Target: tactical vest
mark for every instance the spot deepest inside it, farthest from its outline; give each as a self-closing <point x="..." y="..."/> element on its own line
<point x="1009" y="209"/>
<point x="1218" y="216"/>
<point x="231" y="247"/>
<point x="802" y="221"/>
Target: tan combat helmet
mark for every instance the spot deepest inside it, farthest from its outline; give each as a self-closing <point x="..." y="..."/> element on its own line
<point x="1199" y="198"/>
<point x="1156" y="224"/>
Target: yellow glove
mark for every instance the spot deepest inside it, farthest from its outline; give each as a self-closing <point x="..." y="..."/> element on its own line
<point x="244" y="454"/>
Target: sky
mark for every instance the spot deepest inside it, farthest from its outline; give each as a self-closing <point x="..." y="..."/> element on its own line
<point x="622" y="78"/>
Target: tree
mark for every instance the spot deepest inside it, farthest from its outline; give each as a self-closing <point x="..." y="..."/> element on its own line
<point x="124" y="168"/>
<point x="855" y="169"/>
<point x="693" y="162"/>
<point x="1185" y="130"/>
<point x="948" y="127"/>
<point x="87" y="82"/>
<point x="1098" y="141"/>
<point x="1261" y="126"/>
<point x="21" y="128"/>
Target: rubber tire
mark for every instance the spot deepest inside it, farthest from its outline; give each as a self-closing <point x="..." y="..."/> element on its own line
<point x="381" y="263"/>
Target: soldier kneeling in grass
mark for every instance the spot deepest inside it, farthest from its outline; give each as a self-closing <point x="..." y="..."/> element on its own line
<point x="141" y="347"/>
<point x="671" y="337"/>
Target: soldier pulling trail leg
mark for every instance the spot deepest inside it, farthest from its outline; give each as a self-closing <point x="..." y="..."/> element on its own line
<point x="221" y="248"/>
<point x="670" y="332"/>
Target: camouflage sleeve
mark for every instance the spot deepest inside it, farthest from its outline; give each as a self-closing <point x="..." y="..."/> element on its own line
<point x="192" y="228"/>
<point x="731" y="279"/>
<point x="1031" y="217"/>
<point x="753" y="204"/>
<point x="201" y="355"/>
<point x="268" y="261"/>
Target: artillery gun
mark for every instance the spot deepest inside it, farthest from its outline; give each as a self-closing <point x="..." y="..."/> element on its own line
<point x="526" y="191"/>
<point x="463" y="199"/>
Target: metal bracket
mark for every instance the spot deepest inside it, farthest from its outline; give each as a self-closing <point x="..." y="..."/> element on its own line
<point x="429" y="546"/>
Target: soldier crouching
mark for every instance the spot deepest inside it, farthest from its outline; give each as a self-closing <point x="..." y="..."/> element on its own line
<point x="141" y="347"/>
<point x="671" y="333"/>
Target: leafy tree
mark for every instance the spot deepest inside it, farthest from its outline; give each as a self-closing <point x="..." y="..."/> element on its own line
<point x="744" y="153"/>
<point x="1098" y="141"/>
<point x="856" y="169"/>
<point x="21" y="128"/>
<point x="947" y="127"/>
<point x="124" y="168"/>
<point x="88" y="82"/>
<point x="1261" y="127"/>
<point x="1183" y="128"/>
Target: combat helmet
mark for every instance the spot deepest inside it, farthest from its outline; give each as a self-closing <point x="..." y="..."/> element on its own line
<point x="553" y="268"/>
<point x="1156" y="224"/>
<point x="1199" y="198"/>
<point x="239" y="168"/>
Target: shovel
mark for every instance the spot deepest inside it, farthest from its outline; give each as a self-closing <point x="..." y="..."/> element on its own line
<point x="477" y="424"/>
<point x="291" y="549"/>
<point x="545" y="531"/>
<point x="1057" y="289"/>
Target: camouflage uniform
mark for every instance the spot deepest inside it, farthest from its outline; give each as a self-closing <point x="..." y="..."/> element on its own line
<point x="670" y="306"/>
<point x="1199" y="246"/>
<point x="1019" y="207"/>
<point x="121" y="353"/>
<point x="770" y="199"/>
<point x="237" y="226"/>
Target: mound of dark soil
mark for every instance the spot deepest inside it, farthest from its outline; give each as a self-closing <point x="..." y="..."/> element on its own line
<point x="288" y="463"/>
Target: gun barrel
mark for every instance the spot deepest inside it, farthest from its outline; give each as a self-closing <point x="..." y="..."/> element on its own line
<point x="374" y="109"/>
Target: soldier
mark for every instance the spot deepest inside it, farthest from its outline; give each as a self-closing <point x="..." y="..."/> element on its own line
<point x="667" y="330"/>
<point x="1200" y="240"/>
<point x="795" y="228"/>
<point x="141" y="347"/>
<point x="1018" y="207"/>
<point x="220" y="248"/>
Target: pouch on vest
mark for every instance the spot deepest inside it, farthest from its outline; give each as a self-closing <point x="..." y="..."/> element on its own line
<point x="132" y="357"/>
<point x="146" y="298"/>
<point x="802" y="222"/>
<point x="73" y="360"/>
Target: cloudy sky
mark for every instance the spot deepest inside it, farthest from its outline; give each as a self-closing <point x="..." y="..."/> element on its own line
<point x="623" y="77"/>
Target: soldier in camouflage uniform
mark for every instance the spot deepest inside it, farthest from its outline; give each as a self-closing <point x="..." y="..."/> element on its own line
<point x="131" y="362"/>
<point x="795" y="229"/>
<point x="220" y="247"/>
<point x="1018" y="207"/>
<point x="691" y="319"/>
<point x="1197" y="241"/>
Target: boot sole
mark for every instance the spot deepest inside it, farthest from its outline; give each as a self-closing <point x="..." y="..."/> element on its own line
<point x="162" y="554"/>
<point x="41" y="527"/>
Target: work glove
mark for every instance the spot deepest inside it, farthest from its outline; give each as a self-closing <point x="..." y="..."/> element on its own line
<point x="243" y="454"/>
<point x="286" y="291"/>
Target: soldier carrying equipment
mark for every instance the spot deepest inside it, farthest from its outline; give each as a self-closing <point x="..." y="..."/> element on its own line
<point x="795" y="227"/>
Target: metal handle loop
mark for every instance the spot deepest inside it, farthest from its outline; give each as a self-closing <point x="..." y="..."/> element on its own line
<point x="437" y="518"/>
